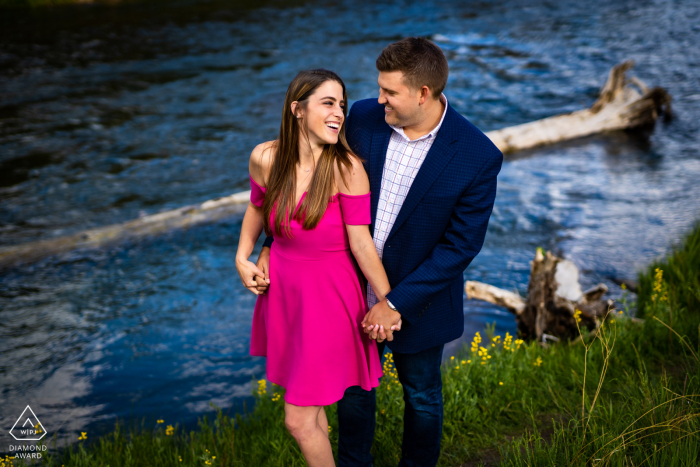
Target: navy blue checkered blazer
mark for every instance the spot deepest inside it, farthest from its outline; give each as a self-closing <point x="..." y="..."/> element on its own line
<point x="440" y="227"/>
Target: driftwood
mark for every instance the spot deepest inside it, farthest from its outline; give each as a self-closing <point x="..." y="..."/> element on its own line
<point x="480" y="291"/>
<point x="554" y="296"/>
<point x="142" y="227"/>
<point x="619" y="106"/>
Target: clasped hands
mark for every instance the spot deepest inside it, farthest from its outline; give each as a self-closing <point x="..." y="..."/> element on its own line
<point x="381" y="322"/>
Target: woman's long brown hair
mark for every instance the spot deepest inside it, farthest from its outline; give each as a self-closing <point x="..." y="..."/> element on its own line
<point x="282" y="183"/>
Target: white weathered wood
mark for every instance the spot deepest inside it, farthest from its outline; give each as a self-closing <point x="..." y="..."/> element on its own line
<point x="566" y="277"/>
<point x="488" y="293"/>
<point x="554" y="297"/>
<point x="619" y="106"/>
<point x="142" y="227"/>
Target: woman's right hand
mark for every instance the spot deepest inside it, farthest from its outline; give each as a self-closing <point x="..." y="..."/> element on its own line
<point x="250" y="275"/>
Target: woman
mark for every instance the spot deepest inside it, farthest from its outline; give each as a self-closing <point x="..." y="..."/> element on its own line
<point x="311" y="192"/>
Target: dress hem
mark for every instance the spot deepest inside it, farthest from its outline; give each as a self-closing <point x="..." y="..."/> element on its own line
<point x="331" y="400"/>
<point x="372" y="386"/>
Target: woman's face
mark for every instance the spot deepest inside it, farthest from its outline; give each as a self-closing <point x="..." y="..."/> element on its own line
<point x="324" y="113"/>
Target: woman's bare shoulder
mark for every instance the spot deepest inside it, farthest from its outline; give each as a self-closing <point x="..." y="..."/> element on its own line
<point x="261" y="161"/>
<point x="353" y="179"/>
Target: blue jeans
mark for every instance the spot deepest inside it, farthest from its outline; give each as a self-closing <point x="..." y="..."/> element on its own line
<point x="419" y="374"/>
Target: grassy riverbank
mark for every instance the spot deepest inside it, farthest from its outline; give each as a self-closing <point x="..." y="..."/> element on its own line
<point x="628" y="395"/>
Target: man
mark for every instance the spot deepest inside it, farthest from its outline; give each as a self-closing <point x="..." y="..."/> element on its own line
<point x="433" y="181"/>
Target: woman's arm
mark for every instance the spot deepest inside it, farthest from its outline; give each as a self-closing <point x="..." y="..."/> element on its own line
<point x="361" y="243"/>
<point x="260" y="162"/>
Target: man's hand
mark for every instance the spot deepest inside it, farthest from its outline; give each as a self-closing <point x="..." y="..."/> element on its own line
<point x="263" y="265"/>
<point x="381" y="322"/>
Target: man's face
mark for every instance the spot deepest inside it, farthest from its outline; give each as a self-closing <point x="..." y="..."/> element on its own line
<point x="401" y="103"/>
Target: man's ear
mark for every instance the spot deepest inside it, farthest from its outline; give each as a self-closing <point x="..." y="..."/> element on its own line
<point x="424" y="95"/>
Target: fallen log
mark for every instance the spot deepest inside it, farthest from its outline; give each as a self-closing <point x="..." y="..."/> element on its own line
<point x="554" y="303"/>
<point x="619" y="106"/>
<point x="488" y="293"/>
<point x="145" y="226"/>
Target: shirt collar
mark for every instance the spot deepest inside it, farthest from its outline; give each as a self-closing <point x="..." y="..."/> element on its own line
<point x="432" y="133"/>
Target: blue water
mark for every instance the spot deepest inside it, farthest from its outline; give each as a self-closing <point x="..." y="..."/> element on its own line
<point x="109" y="113"/>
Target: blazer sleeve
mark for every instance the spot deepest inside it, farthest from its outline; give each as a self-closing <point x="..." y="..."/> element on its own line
<point x="459" y="245"/>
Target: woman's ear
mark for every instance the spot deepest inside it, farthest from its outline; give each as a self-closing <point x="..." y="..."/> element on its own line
<point x="295" y="105"/>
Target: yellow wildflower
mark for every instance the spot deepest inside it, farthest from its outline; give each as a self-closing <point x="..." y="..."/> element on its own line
<point x="658" y="279"/>
<point x="484" y="354"/>
<point x="538" y="362"/>
<point x="623" y="286"/>
<point x="577" y="315"/>
<point x="83" y="435"/>
<point x="507" y="342"/>
<point x="159" y="421"/>
<point x="658" y="287"/>
<point x="262" y="387"/>
<point x="475" y="342"/>
<point x="169" y="430"/>
<point x="501" y="383"/>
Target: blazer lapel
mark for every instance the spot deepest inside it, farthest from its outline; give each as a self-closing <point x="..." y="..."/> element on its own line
<point x="377" y="156"/>
<point x="440" y="154"/>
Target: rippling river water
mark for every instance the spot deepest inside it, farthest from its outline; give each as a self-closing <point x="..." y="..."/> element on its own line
<point x="109" y="113"/>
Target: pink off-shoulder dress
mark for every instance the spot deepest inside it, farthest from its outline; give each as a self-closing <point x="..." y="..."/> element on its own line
<point x="308" y="322"/>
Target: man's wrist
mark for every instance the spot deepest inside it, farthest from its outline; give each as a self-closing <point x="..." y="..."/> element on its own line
<point x="391" y="305"/>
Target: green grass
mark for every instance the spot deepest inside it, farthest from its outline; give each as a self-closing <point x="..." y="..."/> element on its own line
<point x="627" y="395"/>
<point x="643" y="406"/>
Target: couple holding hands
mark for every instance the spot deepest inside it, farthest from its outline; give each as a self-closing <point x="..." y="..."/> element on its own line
<point x="371" y="218"/>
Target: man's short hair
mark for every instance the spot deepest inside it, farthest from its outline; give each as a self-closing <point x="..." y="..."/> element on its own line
<point x="421" y="62"/>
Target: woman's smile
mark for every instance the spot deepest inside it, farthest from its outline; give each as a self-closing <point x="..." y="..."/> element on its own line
<point x="333" y="126"/>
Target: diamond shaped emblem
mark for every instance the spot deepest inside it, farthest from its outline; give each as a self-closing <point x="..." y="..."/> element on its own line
<point x="28" y="427"/>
